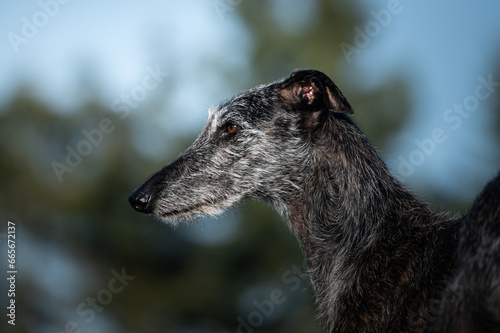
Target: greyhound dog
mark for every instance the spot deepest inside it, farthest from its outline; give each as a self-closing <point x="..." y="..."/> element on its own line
<point x="379" y="259"/>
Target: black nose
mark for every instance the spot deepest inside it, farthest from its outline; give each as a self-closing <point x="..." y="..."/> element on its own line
<point x="139" y="200"/>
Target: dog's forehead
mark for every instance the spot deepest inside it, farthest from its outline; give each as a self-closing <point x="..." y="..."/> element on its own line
<point x="251" y="106"/>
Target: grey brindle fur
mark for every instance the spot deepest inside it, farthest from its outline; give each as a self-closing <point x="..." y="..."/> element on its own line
<point x="380" y="260"/>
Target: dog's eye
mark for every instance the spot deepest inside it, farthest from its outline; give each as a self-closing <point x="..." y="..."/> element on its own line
<point x="231" y="128"/>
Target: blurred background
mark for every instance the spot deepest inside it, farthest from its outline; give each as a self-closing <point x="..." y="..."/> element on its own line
<point x="96" y="96"/>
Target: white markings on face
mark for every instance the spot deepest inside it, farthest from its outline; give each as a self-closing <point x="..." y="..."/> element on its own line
<point x="213" y="119"/>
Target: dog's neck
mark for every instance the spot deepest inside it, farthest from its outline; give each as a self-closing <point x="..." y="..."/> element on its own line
<point x="352" y="218"/>
<point x="348" y="195"/>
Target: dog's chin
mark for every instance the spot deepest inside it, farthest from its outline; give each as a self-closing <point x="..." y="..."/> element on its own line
<point x="179" y="215"/>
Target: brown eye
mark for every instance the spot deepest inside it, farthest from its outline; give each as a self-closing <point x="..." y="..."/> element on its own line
<point x="231" y="128"/>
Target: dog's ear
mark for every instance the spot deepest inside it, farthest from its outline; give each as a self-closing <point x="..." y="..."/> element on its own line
<point x="312" y="92"/>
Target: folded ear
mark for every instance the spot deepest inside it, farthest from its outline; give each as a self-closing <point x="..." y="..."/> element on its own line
<point x="313" y="92"/>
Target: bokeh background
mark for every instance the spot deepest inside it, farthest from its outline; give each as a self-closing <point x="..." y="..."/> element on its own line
<point x="67" y="65"/>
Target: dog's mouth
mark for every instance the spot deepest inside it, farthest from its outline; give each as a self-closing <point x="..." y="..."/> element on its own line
<point x="210" y="208"/>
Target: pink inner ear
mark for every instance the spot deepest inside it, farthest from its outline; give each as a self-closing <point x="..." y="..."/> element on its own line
<point x="309" y="90"/>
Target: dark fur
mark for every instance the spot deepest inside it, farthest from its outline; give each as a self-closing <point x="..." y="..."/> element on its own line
<point x="379" y="259"/>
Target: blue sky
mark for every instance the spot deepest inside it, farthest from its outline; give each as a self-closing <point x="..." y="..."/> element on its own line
<point x="441" y="46"/>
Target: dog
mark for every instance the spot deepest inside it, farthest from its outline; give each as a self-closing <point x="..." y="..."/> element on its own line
<point x="379" y="259"/>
